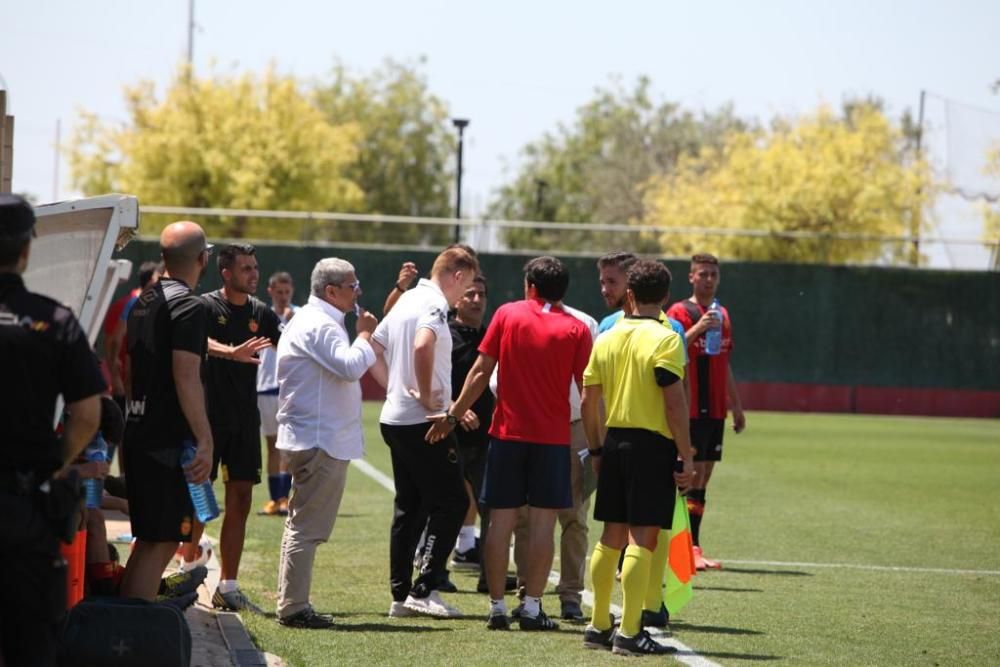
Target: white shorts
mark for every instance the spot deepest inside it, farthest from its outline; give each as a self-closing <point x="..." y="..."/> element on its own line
<point x="268" y="406"/>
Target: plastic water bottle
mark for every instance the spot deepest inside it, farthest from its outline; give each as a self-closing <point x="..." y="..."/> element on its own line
<point x="713" y="337"/>
<point x="97" y="450"/>
<point x="202" y="495"/>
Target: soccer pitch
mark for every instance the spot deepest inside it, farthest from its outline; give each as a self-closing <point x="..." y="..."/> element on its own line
<point x="845" y="540"/>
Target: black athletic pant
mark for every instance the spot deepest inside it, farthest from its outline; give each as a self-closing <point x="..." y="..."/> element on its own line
<point x="33" y="581"/>
<point x="429" y="491"/>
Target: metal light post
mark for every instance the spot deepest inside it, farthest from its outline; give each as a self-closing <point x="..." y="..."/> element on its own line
<point x="461" y="124"/>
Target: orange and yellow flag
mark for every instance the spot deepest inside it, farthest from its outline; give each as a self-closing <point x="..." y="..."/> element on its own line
<point x="680" y="562"/>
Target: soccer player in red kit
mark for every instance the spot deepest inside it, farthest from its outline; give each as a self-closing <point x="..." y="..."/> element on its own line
<point x="712" y="385"/>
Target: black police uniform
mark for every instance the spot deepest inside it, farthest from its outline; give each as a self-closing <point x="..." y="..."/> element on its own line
<point x="231" y="387"/>
<point x="43" y="353"/>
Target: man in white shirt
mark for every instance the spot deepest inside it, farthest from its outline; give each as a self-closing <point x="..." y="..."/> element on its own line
<point x="319" y="425"/>
<point x="416" y="343"/>
<point x="279" y="482"/>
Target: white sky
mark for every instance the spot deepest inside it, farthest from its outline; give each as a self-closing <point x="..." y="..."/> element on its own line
<point x="515" y="68"/>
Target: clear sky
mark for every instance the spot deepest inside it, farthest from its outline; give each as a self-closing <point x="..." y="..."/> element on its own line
<point x="514" y="68"/>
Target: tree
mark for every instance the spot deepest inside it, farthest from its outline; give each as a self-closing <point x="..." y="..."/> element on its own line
<point x="820" y="175"/>
<point x="405" y="147"/>
<point x="222" y="141"/>
<point x="991" y="209"/>
<point x="595" y="170"/>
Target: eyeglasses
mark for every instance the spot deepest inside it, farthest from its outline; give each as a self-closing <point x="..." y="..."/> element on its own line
<point x="356" y="285"/>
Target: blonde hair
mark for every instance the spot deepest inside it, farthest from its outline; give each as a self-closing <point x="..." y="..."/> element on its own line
<point x="454" y="259"/>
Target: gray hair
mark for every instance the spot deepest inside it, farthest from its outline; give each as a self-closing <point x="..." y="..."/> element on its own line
<point x="328" y="271"/>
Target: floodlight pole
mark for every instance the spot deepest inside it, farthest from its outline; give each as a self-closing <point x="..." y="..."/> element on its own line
<point x="190" y="53"/>
<point x="460" y="124"/>
<point x="917" y="217"/>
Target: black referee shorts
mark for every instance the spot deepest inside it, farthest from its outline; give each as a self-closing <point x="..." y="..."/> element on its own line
<point x="636" y="482"/>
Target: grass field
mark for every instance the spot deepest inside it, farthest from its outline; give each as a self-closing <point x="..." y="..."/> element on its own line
<point x="797" y="494"/>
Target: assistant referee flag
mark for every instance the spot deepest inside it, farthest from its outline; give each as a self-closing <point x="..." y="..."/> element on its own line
<point x="680" y="561"/>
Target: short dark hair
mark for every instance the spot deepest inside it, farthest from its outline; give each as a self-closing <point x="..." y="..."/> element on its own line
<point x="229" y="253"/>
<point x="146" y="272"/>
<point x="280" y="277"/>
<point x="549" y="277"/>
<point x="704" y="258"/>
<point x="623" y="260"/>
<point x="649" y="281"/>
<point x="11" y="248"/>
<point x="481" y="279"/>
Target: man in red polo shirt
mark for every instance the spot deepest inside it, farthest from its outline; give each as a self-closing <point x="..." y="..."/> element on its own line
<point x="540" y="348"/>
<point x="712" y="385"/>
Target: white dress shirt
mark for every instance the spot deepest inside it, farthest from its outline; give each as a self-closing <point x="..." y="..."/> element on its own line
<point x="319" y="396"/>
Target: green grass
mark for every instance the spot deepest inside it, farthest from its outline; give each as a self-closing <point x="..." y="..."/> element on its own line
<point x="874" y="491"/>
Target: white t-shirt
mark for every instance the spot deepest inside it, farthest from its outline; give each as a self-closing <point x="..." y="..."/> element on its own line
<point x="267" y="372"/>
<point x="423" y="307"/>
<point x="574" y="391"/>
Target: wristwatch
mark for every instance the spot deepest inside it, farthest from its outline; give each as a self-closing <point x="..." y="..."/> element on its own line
<point x="451" y="419"/>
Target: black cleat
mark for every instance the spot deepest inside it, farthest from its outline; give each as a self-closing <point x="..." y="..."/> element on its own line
<point x="498" y="622"/>
<point x="540" y="623"/>
<point x="641" y="644"/>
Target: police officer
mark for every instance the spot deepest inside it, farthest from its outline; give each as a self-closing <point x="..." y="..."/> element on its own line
<point x="43" y="353"/>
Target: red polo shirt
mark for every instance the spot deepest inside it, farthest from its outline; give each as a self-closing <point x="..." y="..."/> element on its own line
<point x="540" y="349"/>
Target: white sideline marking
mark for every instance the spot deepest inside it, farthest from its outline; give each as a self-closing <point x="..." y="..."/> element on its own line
<point x="685" y="654"/>
<point x="874" y="568"/>
<point x="367" y="468"/>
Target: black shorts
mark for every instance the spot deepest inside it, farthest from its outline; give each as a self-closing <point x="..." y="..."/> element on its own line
<point x="158" y="499"/>
<point x="527" y="473"/>
<point x="636" y="482"/>
<point x="237" y="452"/>
<point x="706" y="438"/>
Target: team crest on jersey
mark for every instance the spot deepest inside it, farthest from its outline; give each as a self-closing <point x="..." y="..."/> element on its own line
<point x="254" y="326"/>
<point x="222" y="320"/>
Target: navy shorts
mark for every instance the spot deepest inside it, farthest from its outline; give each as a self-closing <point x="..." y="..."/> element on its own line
<point x="527" y="473"/>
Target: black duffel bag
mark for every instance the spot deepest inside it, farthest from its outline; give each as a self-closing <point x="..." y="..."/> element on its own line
<point x="115" y="632"/>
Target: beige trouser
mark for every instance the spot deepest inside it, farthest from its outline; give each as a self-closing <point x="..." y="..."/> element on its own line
<point x="573" y="520"/>
<point x="318" y="482"/>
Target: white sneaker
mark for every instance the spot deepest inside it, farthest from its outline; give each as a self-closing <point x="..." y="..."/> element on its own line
<point x="432" y="605"/>
<point x="400" y="610"/>
<point x="205" y="554"/>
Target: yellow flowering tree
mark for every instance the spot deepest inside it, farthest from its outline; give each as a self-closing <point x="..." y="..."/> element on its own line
<point x="221" y="141"/>
<point x="819" y="175"/>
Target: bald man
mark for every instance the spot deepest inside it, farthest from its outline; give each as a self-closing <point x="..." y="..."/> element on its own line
<point x="167" y="342"/>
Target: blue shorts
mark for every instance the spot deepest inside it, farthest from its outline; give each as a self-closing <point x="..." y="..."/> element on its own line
<point x="527" y="473"/>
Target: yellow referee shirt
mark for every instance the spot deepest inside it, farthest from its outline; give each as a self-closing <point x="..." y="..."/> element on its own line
<point x="622" y="362"/>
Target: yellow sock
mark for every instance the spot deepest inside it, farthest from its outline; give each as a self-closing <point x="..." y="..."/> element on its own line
<point x="603" y="565"/>
<point x="635" y="578"/>
<point x="657" y="572"/>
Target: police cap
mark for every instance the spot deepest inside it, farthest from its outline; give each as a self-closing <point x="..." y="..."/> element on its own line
<point x="16" y="216"/>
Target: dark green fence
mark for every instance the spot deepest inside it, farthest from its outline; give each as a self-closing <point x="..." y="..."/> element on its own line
<point x="792" y="323"/>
